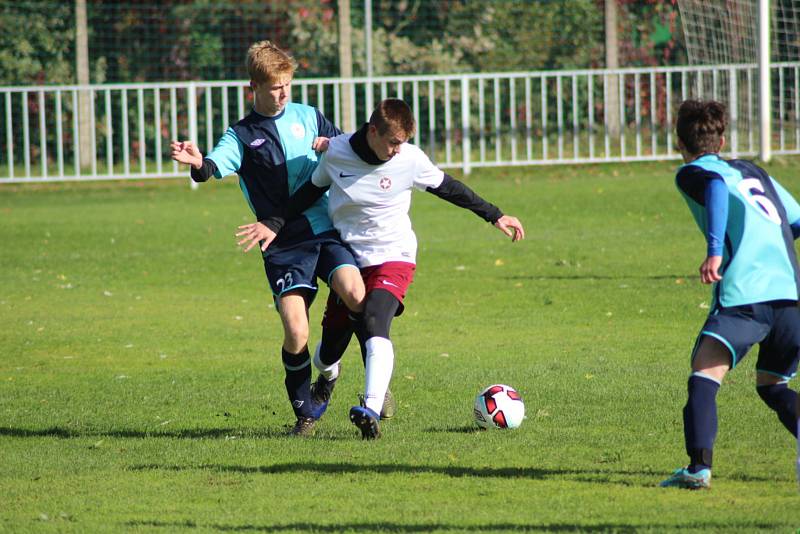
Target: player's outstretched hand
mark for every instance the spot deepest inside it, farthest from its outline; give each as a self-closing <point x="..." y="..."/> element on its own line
<point x="320" y="144"/>
<point x="251" y="234"/>
<point x="709" y="270"/>
<point x="511" y="227"/>
<point x="186" y="152"/>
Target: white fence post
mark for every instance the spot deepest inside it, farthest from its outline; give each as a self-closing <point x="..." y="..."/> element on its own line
<point x="549" y="110"/>
<point x="465" y="141"/>
<point x="764" y="92"/>
<point x="191" y="103"/>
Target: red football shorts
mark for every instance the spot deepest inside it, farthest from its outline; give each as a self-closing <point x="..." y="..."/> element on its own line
<point x="392" y="276"/>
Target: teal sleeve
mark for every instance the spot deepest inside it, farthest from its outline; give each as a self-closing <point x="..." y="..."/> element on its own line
<point x="716" y="197"/>
<point x="228" y="154"/>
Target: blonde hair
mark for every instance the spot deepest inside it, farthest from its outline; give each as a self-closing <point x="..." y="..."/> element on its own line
<point x="268" y="63"/>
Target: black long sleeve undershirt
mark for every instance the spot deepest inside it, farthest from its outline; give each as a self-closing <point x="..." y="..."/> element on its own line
<point x="450" y="189"/>
<point x="300" y="201"/>
<point x="205" y="172"/>
<point x="461" y="195"/>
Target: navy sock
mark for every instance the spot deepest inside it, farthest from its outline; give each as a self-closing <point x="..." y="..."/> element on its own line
<point x="298" y="381"/>
<point x="783" y="401"/>
<point x="700" y="421"/>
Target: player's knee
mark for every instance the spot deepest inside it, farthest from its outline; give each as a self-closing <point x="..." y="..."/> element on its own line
<point x="712" y="358"/>
<point x="347" y="283"/>
<point x="376" y="323"/>
<point x="295" y="337"/>
<point x="353" y="298"/>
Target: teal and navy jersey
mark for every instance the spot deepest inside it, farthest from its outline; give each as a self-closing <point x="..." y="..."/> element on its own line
<point x="759" y="261"/>
<point x="273" y="158"/>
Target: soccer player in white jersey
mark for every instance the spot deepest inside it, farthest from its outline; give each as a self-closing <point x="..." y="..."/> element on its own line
<point x="371" y="174"/>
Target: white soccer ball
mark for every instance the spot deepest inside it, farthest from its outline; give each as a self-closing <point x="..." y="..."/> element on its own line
<point x="499" y="406"/>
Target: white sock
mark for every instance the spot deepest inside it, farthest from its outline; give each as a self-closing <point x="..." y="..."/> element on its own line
<point x="380" y="363"/>
<point x="330" y="372"/>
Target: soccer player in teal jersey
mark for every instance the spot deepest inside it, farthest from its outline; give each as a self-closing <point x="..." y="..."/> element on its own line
<point x="750" y="223"/>
<point x="273" y="151"/>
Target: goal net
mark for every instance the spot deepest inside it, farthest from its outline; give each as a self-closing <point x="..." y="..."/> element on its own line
<point x="725" y="33"/>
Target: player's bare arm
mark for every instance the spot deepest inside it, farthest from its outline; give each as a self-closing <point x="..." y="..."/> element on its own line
<point x="511" y="227"/>
<point x="186" y="152"/>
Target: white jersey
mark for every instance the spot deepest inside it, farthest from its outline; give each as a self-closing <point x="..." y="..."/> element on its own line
<point x="369" y="204"/>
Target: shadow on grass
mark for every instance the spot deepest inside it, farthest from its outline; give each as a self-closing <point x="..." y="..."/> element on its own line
<point x="352" y="468"/>
<point x="622" y="477"/>
<point x="581" y="475"/>
<point x="593" y="476"/>
<point x="194" y="433"/>
<point x="387" y="526"/>
<point x="466" y="429"/>
<point x="603" y="277"/>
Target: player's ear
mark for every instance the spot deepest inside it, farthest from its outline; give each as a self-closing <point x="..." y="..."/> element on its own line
<point x="721" y="143"/>
<point x="372" y="131"/>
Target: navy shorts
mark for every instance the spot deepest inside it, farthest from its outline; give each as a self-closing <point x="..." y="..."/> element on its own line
<point x="298" y="266"/>
<point x="774" y="325"/>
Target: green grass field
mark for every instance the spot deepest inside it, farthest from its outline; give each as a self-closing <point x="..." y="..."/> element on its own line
<point x="141" y="387"/>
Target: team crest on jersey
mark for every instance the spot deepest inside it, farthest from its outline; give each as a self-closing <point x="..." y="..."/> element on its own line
<point x="257" y="143"/>
<point x="297" y="130"/>
<point x="385" y="183"/>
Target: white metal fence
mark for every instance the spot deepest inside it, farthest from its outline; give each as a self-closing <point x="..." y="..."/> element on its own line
<point x="466" y="121"/>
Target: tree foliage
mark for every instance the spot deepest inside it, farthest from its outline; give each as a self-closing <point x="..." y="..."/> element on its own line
<point x="42" y="52"/>
<point x="208" y="39"/>
<point x="564" y="34"/>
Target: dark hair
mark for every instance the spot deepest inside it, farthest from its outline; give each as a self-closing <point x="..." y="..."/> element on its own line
<point x="393" y="113"/>
<point x="701" y="125"/>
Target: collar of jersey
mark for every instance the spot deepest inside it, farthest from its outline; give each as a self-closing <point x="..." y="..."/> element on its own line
<point x="274" y="117"/>
<point x="707" y="155"/>
<point x="358" y="141"/>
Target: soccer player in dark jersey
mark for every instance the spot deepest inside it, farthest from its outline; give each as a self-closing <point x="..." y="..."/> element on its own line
<point x="371" y="174"/>
<point x="750" y="223"/>
<point x="273" y="151"/>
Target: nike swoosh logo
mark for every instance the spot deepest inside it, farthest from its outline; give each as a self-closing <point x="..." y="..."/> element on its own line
<point x="343" y="175"/>
<point x="384" y="282"/>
